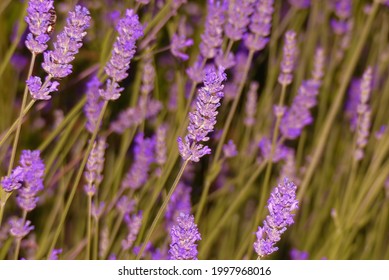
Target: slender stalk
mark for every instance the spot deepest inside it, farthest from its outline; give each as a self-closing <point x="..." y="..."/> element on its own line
<point x="113" y="235"/>
<point x="19" y="240"/>
<point x="88" y="228"/>
<point x="162" y="210"/>
<point x="232" y="111"/>
<point x="19" y="121"/>
<point x="324" y="133"/>
<point x="78" y="178"/>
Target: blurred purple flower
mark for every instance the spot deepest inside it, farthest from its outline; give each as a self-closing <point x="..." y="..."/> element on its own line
<point x="288" y="58"/>
<point x="93" y="104"/>
<point x="229" y="149"/>
<point x="300" y="4"/>
<point x="130" y="30"/>
<point x="144" y="156"/>
<point x="20" y="228"/>
<point x="134" y="223"/>
<point x="251" y="104"/>
<point x="298" y="255"/>
<point x="180" y="202"/>
<point x="238" y="18"/>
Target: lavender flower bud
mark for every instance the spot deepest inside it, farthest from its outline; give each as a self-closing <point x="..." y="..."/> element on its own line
<point x="19" y="228"/>
<point x="265" y="147"/>
<point x="229" y="149"/>
<point x="94" y="167"/>
<point x="144" y="156"/>
<point x="288" y="59"/>
<point x="318" y="66"/>
<point x="281" y="204"/>
<point x="260" y="25"/>
<point x="125" y="205"/>
<point x="39" y="91"/>
<point x="130" y="30"/>
<point x="238" y="18"/>
<point x="298" y="116"/>
<point x="93" y="104"/>
<point x="212" y="38"/>
<point x="97" y="210"/>
<point x="133" y="223"/>
<point x="251" y="104"/>
<point x="184" y="235"/>
<point x="39" y="19"/>
<point x="14" y="180"/>
<point x="203" y="119"/>
<point x="160" y="145"/>
<point x="364" y="114"/>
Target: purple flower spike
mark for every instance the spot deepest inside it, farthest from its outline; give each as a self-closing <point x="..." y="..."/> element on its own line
<point x="298" y="115"/>
<point x="318" y="66"/>
<point x="212" y="37"/>
<point x="238" y="18"/>
<point x="93" y="104"/>
<point x="133" y="223"/>
<point x="14" y="180"/>
<point x="54" y="254"/>
<point x="94" y="167"/>
<point x="298" y="255"/>
<point x="184" y="236"/>
<point x="130" y="30"/>
<point x="33" y="169"/>
<point x="288" y="59"/>
<point x="260" y="25"/>
<point x="280" y="152"/>
<point x="39" y="19"/>
<point x="160" y="145"/>
<point x="364" y="114"/>
<point x="251" y="104"/>
<point x="144" y="156"/>
<point x="57" y="63"/>
<point x="281" y="204"/>
<point x="19" y="228"/>
<point x="203" y="119"/>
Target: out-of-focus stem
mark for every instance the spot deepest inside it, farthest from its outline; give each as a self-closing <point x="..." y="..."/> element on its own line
<point x="78" y="178"/>
<point x="19" y="240"/>
<point x="322" y="139"/>
<point x="162" y="209"/>
<point x="88" y="228"/>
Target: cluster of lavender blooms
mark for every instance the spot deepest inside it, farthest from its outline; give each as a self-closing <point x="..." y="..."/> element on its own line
<point x="39" y="19"/>
<point x="27" y="180"/>
<point x="123" y="51"/>
<point x="57" y="62"/>
<point x="203" y="119"/>
<point x="281" y="204"/>
<point x="184" y="236"/>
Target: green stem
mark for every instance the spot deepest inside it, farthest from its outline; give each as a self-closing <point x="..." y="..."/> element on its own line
<point x="19" y="240"/>
<point x="19" y="121"/>
<point x="88" y="228"/>
<point x="231" y="113"/>
<point x="162" y="209"/>
<point x="78" y="178"/>
<point x="322" y="139"/>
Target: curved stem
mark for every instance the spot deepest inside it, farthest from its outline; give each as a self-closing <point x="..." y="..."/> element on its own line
<point x="77" y="180"/>
<point x="322" y="140"/>
<point x="162" y="209"/>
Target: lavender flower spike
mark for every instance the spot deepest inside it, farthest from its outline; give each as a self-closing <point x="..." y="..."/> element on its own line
<point x="130" y="30"/>
<point x="260" y="25"/>
<point x="288" y="59"/>
<point x="364" y="114"/>
<point x="203" y="119"/>
<point x="238" y="18"/>
<point x="57" y="62"/>
<point x="251" y="104"/>
<point x="93" y="104"/>
<point x="212" y="38"/>
<point x="184" y="236"/>
<point x="281" y="204"/>
<point x="94" y="167"/>
<point x="39" y="19"/>
<point x="19" y="228"/>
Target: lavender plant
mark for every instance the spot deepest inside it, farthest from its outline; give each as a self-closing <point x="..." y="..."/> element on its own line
<point x="214" y="102"/>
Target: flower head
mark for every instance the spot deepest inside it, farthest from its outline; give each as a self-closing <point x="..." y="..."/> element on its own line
<point x="203" y="119"/>
<point x="281" y="204"/>
<point x="288" y="59"/>
<point x="184" y="236"/>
